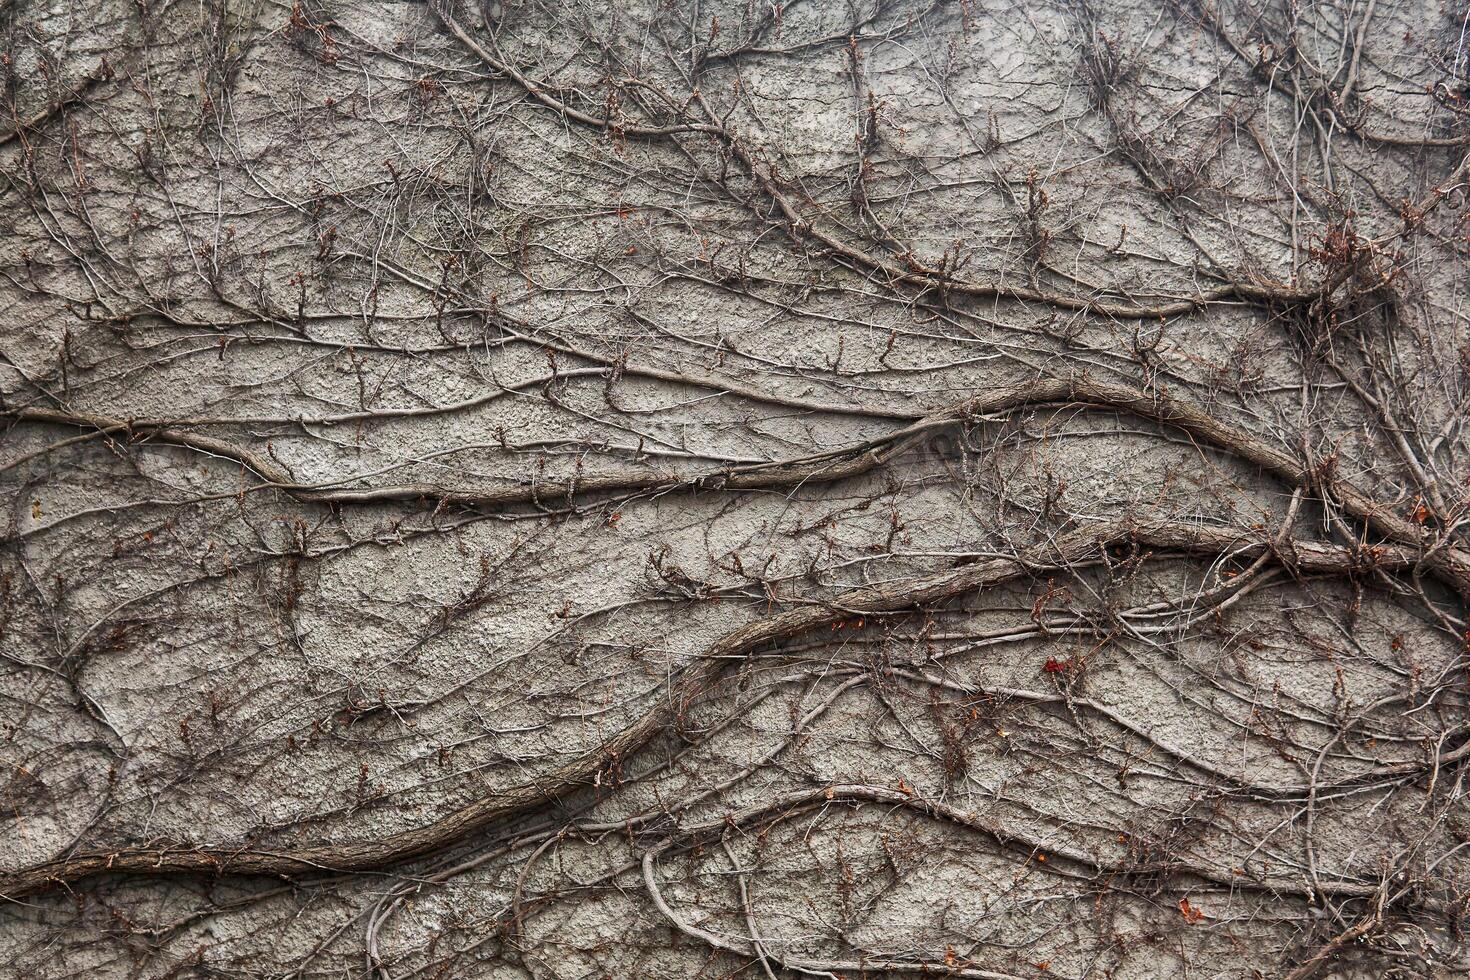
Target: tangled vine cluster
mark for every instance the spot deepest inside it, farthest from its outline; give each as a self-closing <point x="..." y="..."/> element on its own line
<point x="734" y="488"/>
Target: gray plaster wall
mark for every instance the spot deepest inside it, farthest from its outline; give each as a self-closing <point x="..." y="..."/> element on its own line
<point x="685" y="489"/>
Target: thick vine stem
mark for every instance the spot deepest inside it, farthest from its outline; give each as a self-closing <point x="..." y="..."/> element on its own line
<point x="692" y="682"/>
<point x="1444" y="558"/>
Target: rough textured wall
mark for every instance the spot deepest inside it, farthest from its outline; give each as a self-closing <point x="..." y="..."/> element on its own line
<point x="837" y="489"/>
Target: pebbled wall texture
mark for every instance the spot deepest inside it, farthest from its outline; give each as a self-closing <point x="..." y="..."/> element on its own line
<point x="827" y="488"/>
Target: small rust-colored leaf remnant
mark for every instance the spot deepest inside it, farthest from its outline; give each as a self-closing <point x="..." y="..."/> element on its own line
<point x="1191" y="913"/>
